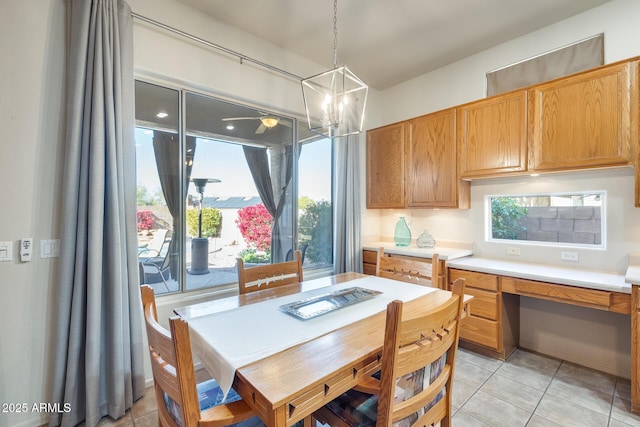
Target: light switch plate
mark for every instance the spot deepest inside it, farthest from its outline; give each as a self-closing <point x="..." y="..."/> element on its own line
<point x="6" y="251"/>
<point x="49" y="248"/>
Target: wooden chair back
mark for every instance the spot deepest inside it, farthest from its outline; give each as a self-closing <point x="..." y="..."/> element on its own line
<point x="269" y="275"/>
<point x="417" y="341"/>
<point x="411" y="271"/>
<point x="174" y="375"/>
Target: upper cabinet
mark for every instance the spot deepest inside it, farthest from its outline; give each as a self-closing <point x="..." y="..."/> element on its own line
<point x="413" y="164"/>
<point x="430" y="160"/>
<point x="584" y="120"/>
<point x="385" y="167"/>
<point x="492" y="136"/>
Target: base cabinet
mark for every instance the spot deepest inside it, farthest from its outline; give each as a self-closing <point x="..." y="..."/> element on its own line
<point x="492" y="327"/>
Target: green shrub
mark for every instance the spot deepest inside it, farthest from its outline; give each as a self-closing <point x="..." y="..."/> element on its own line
<point x="252" y="256"/>
<point x="506" y="214"/>
<point x="211" y="222"/>
<point x="315" y="229"/>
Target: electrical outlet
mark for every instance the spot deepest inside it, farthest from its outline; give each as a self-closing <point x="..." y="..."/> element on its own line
<point x="569" y="256"/>
<point x="513" y="251"/>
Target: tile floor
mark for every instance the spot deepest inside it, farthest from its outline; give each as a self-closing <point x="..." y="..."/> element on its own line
<point x="527" y="390"/>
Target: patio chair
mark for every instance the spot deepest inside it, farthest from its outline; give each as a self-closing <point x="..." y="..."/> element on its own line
<point x="302" y="248"/>
<point x="269" y="275"/>
<point x="157" y="246"/>
<point x="180" y="401"/>
<point x="418" y="362"/>
<point x="155" y="269"/>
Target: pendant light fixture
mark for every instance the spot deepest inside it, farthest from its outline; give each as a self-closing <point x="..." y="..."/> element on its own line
<point x="335" y="100"/>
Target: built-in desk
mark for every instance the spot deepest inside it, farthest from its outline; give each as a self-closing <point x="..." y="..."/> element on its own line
<point x="492" y="326"/>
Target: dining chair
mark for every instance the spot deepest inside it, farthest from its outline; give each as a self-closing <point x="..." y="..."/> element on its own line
<point x="269" y="275"/>
<point x="411" y="271"/>
<point x="418" y="361"/>
<point x="181" y="402"/>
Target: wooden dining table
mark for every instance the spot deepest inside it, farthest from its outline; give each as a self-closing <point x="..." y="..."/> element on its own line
<point x="290" y="385"/>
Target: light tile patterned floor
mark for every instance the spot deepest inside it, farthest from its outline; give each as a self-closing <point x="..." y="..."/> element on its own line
<point x="527" y="390"/>
<point x="534" y="390"/>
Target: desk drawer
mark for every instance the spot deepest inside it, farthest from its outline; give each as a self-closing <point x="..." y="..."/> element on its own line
<point x="484" y="281"/>
<point x="484" y="304"/>
<point x="560" y="293"/>
<point x="369" y="257"/>
<point x="481" y="331"/>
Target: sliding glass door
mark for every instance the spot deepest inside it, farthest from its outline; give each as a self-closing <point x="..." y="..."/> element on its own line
<point x="218" y="180"/>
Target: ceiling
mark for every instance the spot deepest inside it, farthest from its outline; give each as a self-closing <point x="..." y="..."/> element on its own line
<point x="386" y="42"/>
<point x="210" y="117"/>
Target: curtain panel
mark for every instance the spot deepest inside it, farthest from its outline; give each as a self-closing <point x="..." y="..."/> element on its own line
<point x="98" y="356"/>
<point x="273" y="198"/>
<point x="347" y="251"/>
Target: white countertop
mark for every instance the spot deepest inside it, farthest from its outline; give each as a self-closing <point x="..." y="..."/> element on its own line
<point x="540" y="272"/>
<point x="444" y="251"/>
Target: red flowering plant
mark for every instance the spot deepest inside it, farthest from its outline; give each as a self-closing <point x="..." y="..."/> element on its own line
<point x="254" y="223"/>
<point x="145" y="220"/>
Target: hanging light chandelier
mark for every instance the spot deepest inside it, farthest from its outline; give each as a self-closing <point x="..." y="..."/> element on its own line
<point x="335" y="100"/>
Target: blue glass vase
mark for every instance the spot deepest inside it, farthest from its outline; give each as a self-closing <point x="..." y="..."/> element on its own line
<point x="402" y="235"/>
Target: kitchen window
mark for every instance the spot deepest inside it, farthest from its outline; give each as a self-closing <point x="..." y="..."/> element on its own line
<point x="575" y="219"/>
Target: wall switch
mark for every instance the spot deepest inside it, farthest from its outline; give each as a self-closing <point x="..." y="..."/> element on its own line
<point x="6" y="251"/>
<point x="569" y="256"/>
<point x="49" y="248"/>
<point x="26" y="249"/>
<point x="513" y="251"/>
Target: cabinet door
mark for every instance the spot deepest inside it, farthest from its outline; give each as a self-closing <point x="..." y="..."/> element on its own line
<point x="385" y="167"/>
<point x="582" y="121"/>
<point x="492" y="136"/>
<point x="431" y="163"/>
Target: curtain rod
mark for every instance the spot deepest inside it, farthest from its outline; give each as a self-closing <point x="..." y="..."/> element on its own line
<point x="215" y="46"/>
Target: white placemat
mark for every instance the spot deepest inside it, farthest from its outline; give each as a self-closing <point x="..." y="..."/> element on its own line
<point x="231" y="339"/>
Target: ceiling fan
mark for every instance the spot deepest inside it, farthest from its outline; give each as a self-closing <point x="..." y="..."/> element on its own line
<point x="266" y="122"/>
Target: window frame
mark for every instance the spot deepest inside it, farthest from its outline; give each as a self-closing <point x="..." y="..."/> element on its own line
<point x="184" y="89"/>
<point x="488" y="223"/>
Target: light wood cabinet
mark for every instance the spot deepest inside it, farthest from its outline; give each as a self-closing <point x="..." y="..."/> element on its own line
<point x="432" y="179"/>
<point x="584" y="120"/>
<point x="386" y="167"/>
<point x="413" y="164"/>
<point x="491" y="326"/>
<point x="492" y="136"/>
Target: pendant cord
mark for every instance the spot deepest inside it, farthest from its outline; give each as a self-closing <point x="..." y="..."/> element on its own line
<point x="335" y="34"/>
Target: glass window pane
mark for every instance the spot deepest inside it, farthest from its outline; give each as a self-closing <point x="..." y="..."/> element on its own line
<point x="157" y="165"/>
<point x="567" y="219"/>
<point x="314" y="203"/>
<point x="232" y="199"/>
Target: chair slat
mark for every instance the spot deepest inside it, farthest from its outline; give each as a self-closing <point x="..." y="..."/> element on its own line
<point x="410" y="271"/>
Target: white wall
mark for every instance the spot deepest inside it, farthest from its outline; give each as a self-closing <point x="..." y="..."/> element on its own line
<point x="32" y="42"/>
<point x="464" y="81"/>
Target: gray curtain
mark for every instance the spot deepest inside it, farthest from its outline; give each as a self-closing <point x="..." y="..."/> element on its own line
<point x="347" y="250"/>
<point x="166" y="148"/>
<point x="273" y="199"/>
<point x="98" y="357"/>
